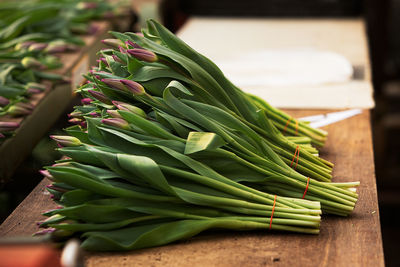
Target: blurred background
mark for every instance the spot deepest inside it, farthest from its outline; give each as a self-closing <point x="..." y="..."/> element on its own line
<point x="382" y="19"/>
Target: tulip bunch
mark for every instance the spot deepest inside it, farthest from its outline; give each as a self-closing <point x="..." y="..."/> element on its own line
<point x="32" y="34"/>
<point x="164" y="147"/>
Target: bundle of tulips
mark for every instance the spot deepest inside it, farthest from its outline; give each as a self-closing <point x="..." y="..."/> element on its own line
<point x="32" y="34"/>
<point x="165" y="147"/>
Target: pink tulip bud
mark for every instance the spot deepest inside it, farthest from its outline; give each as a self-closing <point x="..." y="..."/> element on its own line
<point x="100" y="96"/>
<point x="143" y="54"/>
<point x="8" y="126"/>
<point x="134" y="87"/>
<point x="117" y="122"/>
<point x="30" y="62"/>
<point x="86" y="101"/>
<point x="113" y="42"/>
<point x="66" y="140"/>
<point x="114" y="113"/>
<point x="115" y="83"/>
<point x="4" y="101"/>
<point x="37" y="47"/>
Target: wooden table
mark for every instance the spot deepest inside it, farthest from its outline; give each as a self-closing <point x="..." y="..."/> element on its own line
<point x="352" y="241"/>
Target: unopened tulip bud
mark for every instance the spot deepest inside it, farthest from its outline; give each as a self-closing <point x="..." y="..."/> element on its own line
<point x="75" y="121"/>
<point x="4" y="101"/>
<point x="76" y="114"/>
<point x="34" y="85"/>
<point x="117" y="122"/>
<point x="66" y="140"/>
<point x="115" y="83"/>
<point x="47" y="174"/>
<point x="114" y="113"/>
<point x="122" y="50"/>
<point x="37" y="47"/>
<point x="24" y="45"/>
<point x="8" y="126"/>
<point x="86" y="5"/>
<point x="143" y="54"/>
<point x="113" y="42"/>
<point x="19" y="109"/>
<point x="94" y="114"/>
<point x="30" y="62"/>
<point x="129" y="43"/>
<point x="100" y="96"/>
<point x="86" y="101"/>
<point x="133" y="87"/>
<point x="117" y="59"/>
<point x="46" y="231"/>
<point x="130" y="108"/>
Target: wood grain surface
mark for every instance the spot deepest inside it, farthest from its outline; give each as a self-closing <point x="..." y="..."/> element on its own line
<point x="352" y="241"/>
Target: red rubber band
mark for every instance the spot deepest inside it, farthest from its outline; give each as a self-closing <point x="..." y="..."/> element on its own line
<point x="287" y="123"/>
<point x="272" y="213"/>
<point x="305" y="191"/>
<point x="294" y="156"/>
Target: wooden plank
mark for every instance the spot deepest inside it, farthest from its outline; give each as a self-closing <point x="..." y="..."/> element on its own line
<point x="352" y="241"/>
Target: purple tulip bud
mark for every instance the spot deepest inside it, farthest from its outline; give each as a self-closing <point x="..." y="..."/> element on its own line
<point x="24" y="45"/>
<point x="133" y="87"/>
<point x="37" y="47"/>
<point x="100" y="96"/>
<point x="8" y="126"/>
<point x="45" y="231"/>
<point x="86" y="5"/>
<point x="143" y="54"/>
<point x="132" y="44"/>
<point x="117" y="59"/>
<point x="33" y="91"/>
<point x="75" y="114"/>
<point x="86" y="101"/>
<point x="115" y="83"/>
<point x="122" y="50"/>
<point x="20" y="109"/>
<point x="65" y="163"/>
<point x="30" y="62"/>
<point x="94" y="114"/>
<point x="59" y="46"/>
<point x="66" y="140"/>
<point x="4" y="101"/>
<point x="114" y="113"/>
<point x="75" y="121"/>
<point x="2" y="135"/>
<point x="46" y="174"/>
<point x="130" y="108"/>
<point x="113" y="42"/>
<point x="35" y="86"/>
<point x="102" y="59"/>
<point x="93" y="28"/>
<point x="116" y="122"/>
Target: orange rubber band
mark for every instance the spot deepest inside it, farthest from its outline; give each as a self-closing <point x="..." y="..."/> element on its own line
<point x="287" y="123"/>
<point x="297" y="160"/>
<point x="305" y="191"/>
<point x="296" y="152"/>
<point x="272" y="213"/>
